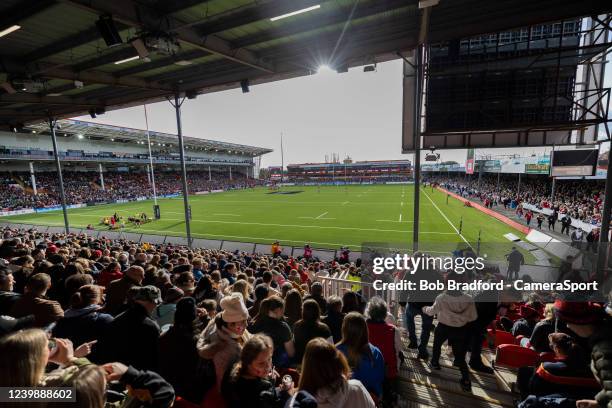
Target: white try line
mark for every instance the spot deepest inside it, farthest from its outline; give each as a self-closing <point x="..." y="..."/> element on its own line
<point x="322" y="215"/>
<point x="446" y="218"/>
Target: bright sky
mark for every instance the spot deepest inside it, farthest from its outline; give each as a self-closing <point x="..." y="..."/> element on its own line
<point x="355" y="113"/>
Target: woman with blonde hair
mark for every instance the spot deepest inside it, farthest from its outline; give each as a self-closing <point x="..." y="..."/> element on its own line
<point x="24" y="357"/>
<point x="539" y="338"/>
<point x="26" y="353"/>
<point x="325" y="375"/>
<point x="242" y="287"/>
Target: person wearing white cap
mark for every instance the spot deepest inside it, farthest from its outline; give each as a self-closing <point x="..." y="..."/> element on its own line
<point x="223" y="338"/>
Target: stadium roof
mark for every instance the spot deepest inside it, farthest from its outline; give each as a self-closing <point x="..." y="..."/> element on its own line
<point x="117" y="134"/>
<point x="55" y="62"/>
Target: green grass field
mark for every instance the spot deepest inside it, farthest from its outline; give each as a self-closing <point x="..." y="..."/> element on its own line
<point x="325" y="217"/>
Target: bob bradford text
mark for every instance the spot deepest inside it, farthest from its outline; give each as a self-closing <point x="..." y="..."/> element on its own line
<point x="480" y="285"/>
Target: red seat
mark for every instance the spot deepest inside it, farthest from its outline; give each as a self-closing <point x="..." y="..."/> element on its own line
<point x="515" y="356"/>
<point x="501" y="337"/>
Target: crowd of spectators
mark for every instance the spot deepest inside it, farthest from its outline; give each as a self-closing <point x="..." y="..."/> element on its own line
<point x="155" y="325"/>
<point x="559" y="344"/>
<point x="209" y="326"/>
<point x="86" y="187"/>
<point x="581" y="200"/>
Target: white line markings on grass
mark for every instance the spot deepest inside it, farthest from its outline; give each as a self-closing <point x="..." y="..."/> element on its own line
<point x="264" y="225"/>
<point x="345" y="203"/>
<point x="322" y="215"/>
<point x="446" y="218"/>
<point x="228" y="215"/>
<point x="404" y="222"/>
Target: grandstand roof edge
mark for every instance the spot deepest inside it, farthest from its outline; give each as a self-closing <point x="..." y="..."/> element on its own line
<point x="110" y="132"/>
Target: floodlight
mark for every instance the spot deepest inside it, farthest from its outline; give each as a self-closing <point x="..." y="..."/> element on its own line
<point x="9" y="30"/>
<point x="294" y="13"/>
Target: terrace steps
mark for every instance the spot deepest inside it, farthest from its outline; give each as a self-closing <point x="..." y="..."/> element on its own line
<point x="421" y="386"/>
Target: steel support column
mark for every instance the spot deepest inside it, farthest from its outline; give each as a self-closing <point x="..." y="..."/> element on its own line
<point x="419" y="62"/>
<point x="417" y="146"/>
<point x="60" y="179"/>
<point x="177" y="107"/>
<point x="209" y="174"/>
<point x="33" y="179"/>
<point x="101" y="177"/>
<point x="552" y="190"/>
<point x="150" y="171"/>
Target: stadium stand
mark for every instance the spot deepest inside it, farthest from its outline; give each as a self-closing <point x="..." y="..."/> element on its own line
<point x="103" y="163"/>
<point x="349" y="171"/>
<point x="197" y="325"/>
<point x="84" y="187"/>
<point x="581" y="200"/>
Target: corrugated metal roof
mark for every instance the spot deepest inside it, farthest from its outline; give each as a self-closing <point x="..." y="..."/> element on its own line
<point x="226" y="41"/>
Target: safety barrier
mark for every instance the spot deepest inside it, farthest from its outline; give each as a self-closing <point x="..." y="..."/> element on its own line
<point x="338" y="287"/>
<point x="322" y="254"/>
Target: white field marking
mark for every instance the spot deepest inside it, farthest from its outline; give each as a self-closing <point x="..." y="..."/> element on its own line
<point x="229" y="215"/>
<point x="447" y="220"/>
<point x="267" y="224"/>
<point x="322" y="215"/>
<point x="55" y="224"/>
<point x="402" y="204"/>
<point x="400" y="220"/>
<point x="345" y="203"/>
<point x="403" y="222"/>
<point x="293" y="202"/>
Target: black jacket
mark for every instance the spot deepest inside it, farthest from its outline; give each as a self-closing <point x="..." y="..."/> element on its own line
<point x="7" y="299"/>
<point x="255" y="393"/>
<point x="82" y="325"/>
<point x="178" y="362"/>
<point x="560" y="378"/>
<point x="334" y="321"/>
<point x="132" y="339"/>
<point x="149" y="384"/>
<point x="539" y="337"/>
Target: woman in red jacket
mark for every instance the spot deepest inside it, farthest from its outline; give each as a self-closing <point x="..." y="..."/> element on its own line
<point x="110" y="273"/>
